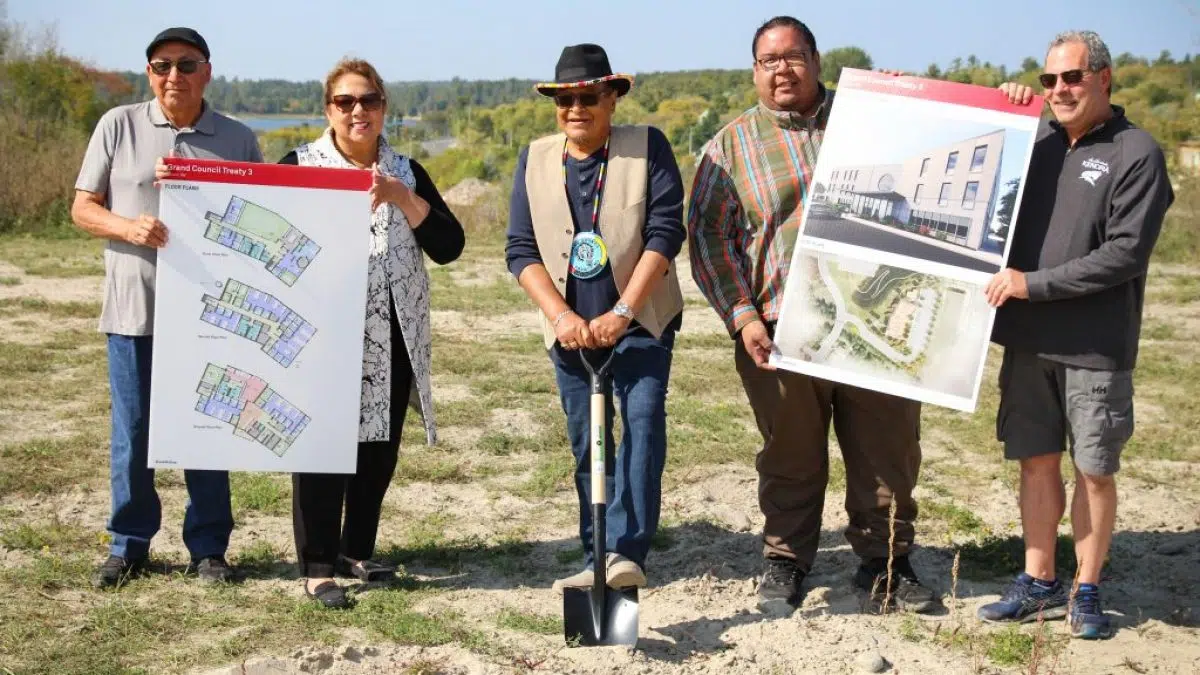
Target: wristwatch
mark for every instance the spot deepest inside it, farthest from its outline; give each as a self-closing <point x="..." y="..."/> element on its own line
<point x="621" y="309"/>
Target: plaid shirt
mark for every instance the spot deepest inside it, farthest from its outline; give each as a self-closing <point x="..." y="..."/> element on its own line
<point x="747" y="201"/>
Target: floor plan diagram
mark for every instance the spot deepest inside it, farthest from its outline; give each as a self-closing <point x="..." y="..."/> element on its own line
<point x="262" y="235"/>
<point x="248" y="403"/>
<point x="259" y="317"/>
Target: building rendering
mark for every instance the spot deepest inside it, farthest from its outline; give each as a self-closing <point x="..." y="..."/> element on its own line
<point x="948" y="193"/>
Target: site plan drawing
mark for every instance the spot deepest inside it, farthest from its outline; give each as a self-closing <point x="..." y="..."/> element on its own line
<point x="258" y="329"/>
<point x="263" y="235"/>
<point x="907" y="216"/>
<point x="256" y="412"/>
<point x="259" y="317"/>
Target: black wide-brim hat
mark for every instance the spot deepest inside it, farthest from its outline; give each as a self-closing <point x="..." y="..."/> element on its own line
<point x="581" y="66"/>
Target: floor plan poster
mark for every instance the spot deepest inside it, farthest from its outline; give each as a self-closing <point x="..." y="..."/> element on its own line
<point x="914" y="193"/>
<point x="260" y="301"/>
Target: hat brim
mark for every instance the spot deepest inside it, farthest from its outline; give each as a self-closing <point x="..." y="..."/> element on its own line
<point x="620" y="82"/>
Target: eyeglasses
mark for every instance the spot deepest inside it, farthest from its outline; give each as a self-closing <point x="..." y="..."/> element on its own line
<point x="792" y="59"/>
<point x="185" y="66"/>
<point x="369" y="102"/>
<point x="587" y="100"/>
<point x="1069" y="78"/>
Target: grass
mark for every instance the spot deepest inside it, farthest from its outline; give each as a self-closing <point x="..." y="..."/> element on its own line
<point x="529" y="622"/>
<point x="10" y="281"/>
<point x="262" y="493"/>
<point x="64" y="258"/>
<point x="994" y="557"/>
<point x="52" y="536"/>
<point x="54" y="445"/>
<point x="51" y="465"/>
<point x="73" y="309"/>
<point x="958" y="520"/>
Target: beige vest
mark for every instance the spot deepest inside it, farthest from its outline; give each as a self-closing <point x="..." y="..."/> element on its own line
<point x="622" y="217"/>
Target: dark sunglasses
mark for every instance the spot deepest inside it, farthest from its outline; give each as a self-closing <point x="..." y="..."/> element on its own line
<point x="586" y="100"/>
<point x="1069" y="78"/>
<point x="185" y="66"/>
<point x="370" y="102"/>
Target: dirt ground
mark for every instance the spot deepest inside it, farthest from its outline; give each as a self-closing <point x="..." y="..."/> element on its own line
<point x="699" y="614"/>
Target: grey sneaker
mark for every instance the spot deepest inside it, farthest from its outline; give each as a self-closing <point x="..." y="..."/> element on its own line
<point x="213" y="569"/>
<point x="1024" y="602"/>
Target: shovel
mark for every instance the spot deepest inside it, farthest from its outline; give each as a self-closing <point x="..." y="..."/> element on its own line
<point x="600" y="615"/>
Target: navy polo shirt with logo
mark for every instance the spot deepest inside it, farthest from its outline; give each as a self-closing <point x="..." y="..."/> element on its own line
<point x="1089" y="217"/>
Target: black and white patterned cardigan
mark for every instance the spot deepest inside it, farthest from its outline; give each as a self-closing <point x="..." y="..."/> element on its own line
<point x="395" y="260"/>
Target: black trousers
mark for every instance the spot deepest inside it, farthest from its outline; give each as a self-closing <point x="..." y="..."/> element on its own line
<point x="318" y="498"/>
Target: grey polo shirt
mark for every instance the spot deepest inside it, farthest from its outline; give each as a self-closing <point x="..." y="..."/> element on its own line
<point x="119" y="164"/>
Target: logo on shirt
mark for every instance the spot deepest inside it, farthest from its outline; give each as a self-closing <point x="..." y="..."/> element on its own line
<point x="1093" y="170"/>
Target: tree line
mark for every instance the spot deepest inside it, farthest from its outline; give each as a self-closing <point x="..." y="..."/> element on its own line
<point x="50" y="102"/>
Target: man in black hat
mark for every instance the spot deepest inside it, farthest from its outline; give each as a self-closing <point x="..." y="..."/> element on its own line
<point x="115" y="198"/>
<point x="597" y="258"/>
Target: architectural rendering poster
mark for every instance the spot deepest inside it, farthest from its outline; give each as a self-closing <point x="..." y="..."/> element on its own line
<point x="259" y="312"/>
<point x="912" y="199"/>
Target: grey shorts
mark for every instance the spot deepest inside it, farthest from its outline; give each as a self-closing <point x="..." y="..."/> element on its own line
<point x="1044" y="404"/>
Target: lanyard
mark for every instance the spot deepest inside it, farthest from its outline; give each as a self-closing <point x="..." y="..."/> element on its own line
<point x="599" y="181"/>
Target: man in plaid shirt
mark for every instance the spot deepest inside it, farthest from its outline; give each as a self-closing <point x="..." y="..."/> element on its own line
<point x="746" y="206"/>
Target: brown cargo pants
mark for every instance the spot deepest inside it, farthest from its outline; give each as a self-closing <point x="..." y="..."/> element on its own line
<point x="879" y="436"/>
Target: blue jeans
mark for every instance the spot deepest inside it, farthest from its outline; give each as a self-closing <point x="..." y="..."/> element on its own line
<point x="638" y="376"/>
<point x="136" y="510"/>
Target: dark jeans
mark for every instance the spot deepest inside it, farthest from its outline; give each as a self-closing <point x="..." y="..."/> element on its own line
<point x="136" y="510"/>
<point x="638" y="375"/>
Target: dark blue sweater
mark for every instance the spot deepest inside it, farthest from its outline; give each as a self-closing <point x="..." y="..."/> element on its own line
<point x="663" y="232"/>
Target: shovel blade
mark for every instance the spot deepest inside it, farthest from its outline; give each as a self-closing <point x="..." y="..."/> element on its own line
<point x="617" y="613"/>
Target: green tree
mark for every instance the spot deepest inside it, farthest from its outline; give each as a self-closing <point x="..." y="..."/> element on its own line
<point x="833" y="60"/>
<point x="1008" y="202"/>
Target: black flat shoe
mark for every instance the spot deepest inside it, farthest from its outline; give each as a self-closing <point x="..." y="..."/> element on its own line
<point x="364" y="570"/>
<point x="328" y="594"/>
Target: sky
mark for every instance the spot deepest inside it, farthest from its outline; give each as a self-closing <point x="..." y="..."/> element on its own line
<point x="439" y="40"/>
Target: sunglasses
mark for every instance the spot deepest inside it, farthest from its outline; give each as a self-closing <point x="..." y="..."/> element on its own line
<point x="369" y="102"/>
<point x="587" y="100"/>
<point x="1069" y="78"/>
<point x="185" y="66"/>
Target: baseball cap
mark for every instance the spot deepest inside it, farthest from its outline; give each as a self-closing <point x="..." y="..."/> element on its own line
<point x="178" y="34"/>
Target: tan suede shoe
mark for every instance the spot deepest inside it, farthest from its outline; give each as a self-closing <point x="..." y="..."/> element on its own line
<point x="623" y="572"/>
<point x="581" y="580"/>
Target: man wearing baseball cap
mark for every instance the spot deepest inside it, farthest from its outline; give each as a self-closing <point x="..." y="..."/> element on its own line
<point x="115" y="198"/>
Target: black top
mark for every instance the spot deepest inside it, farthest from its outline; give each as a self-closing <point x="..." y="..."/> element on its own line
<point x="663" y="231"/>
<point x="440" y="235"/>
<point x="1088" y="221"/>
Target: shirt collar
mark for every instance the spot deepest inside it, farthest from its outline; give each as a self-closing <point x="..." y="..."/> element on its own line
<point x="1118" y="113"/>
<point x="794" y="121"/>
<point x="205" y="125"/>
